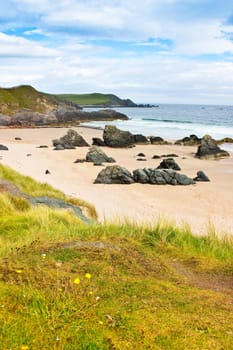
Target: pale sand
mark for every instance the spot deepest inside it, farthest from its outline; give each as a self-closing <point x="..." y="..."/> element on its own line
<point x="200" y="205"/>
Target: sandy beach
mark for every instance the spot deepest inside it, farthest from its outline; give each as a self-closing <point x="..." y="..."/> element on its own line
<point x="201" y="206"/>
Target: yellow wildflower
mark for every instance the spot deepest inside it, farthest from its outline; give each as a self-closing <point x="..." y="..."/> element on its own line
<point x="19" y="271"/>
<point x="100" y="322"/>
<point x="24" y="347"/>
<point x="88" y="275"/>
<point x="76" y="281"/>
<point x="90" y="292"/>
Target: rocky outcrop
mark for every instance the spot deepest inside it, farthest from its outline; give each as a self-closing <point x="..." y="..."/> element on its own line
<point x="96" y="141"/>
<point x="114" y="174"/>
<point x="114" y="137"/>
<point x="161" y="177"/>
<point x="169" y="163"/>
<point x="191" y="140"/>
<point x="69" y="141"/>
<point x="225" y="140"/>
<point x="209" y="149"/>
<point x="201" y="176"/>
<point x="97" y="156"/>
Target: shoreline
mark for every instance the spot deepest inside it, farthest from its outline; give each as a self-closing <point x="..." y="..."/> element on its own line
<point x="200" y="206"/>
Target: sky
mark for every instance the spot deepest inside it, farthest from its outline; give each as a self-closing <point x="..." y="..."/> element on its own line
<point x="152" y="51"/>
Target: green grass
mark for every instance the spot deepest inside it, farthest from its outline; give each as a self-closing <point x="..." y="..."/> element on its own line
<point x="151" y="287"/>
<point x="91" y="99"/>
<point x="21" y="97"/>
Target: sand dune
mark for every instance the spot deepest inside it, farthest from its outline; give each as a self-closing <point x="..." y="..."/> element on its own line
<point x="200" y="206"/>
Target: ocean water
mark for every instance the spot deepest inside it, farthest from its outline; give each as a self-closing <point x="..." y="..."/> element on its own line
<point x="173" y="122"/>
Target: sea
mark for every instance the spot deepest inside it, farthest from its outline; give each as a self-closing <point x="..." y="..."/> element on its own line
<point x="173" y="121"/>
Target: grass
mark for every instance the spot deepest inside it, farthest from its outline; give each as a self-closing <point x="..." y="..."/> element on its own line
<point x="67" y="285"/>
<point x="91" y="99"/>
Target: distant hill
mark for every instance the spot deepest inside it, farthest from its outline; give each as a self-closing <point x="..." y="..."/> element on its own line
<point x="24" y="106"/>
<point x="97" y="99"/>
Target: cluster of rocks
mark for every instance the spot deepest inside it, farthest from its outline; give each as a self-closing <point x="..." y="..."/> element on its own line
<point x="191" y="140"/>
<point x="114" y="137"/>
<point x="119" y="175"/>
<point x="69" y="141"/>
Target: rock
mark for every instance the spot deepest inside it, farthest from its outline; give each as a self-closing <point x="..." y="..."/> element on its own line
<point x="71" y="140"/>
<point x="170" y="155"/>
<point x="80" y="161"/>
<point x="169" y="163"/>
<point x="96" y="141"/>
<point x="96" y="155"/>
<point x="191" y="140"/>
<point x="43" y="146"/>
<point x="201" y="176"/>
<point x="157" y="140"/>
<point x="18" y="139"/>
<point x="3" y="148"/>
<point x="225" y="140"/>
<point x="141" y="159"/>
<point x="98" y="164"/>
<point x="113" y="137"/>
<point x="161" y="177"/>
<point x="28" y="155"/>
<point x="140" y="139"/>
<point x="209" y="149"/>
<point x="141" y="155"/>
<point x="114" y="174"/>
<point x="59" y="148"/>
<point x="156" y="156"/>
<point x="47" y="172"/>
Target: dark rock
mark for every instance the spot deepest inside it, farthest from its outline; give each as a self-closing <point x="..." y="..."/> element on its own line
<point x="170" y="155"/>
<point x="96" y="155"/>
<point x="141" y="159"/>
<point x="161" y="177"/>
<point x="209" y="149"/>
<point x="201" y="176"/>
<point x="156" y="157"/>
<point x="18" y="138"/>
<point x="113" y="137"/>
<point x="140" y="139"/>
<point x="191" y="140"/>
<point x="169" y="163"/>
<point x="3" y="148"/>
<point x="141" y="155"/>
<point x="71" y="140"/>
<point x="225" y="140"/>
<point x="47" y="172"/>
<point x="29" y="155"/>
<point x="80" y="161"/>
<point x="98" y="164"/>
<point x="43" y="146"/>
<point x="96" y="141"/>
<point x="114" y="174"/>
<point x="157" y="140"/>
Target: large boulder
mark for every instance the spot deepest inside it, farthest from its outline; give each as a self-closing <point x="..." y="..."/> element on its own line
<point x="157" y="140"/>
<point x="209" y="149"/>
<point x="161" y="177"/>
<point x="97" y="156"/>
<point x="169" y="163"/>
<point x="191" y="140"/>
<point x="96" y="141"/>
<point x="113" y="137"/>
<point x="70" y="140"/>
<point x="114" y="174"/>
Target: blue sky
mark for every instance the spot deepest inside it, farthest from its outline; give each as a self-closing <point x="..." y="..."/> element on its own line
<point x="162" y="51"/>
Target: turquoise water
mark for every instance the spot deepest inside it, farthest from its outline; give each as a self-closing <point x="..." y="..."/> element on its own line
<point x="176" y="121"/>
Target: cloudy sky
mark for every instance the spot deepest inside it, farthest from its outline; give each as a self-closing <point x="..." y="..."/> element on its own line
<point x="162" y="51"/>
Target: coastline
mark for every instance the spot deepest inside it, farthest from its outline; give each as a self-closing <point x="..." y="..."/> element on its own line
<point x="201" y="206"/>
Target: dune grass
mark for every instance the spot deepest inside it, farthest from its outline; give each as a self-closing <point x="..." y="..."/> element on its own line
<point x="68" y="285"/>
